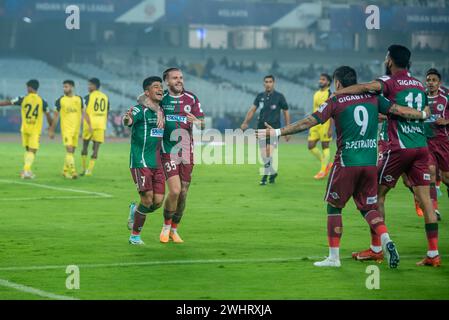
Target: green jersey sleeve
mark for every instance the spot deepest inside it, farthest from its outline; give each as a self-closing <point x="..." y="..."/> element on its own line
<point x="384" y="104"/>
<point x="137" y="114"/>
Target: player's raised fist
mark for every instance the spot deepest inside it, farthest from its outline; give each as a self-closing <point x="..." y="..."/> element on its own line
<point x="244" y="126"/>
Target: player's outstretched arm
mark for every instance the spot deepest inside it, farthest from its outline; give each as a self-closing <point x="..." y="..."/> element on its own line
<point x="249" y="116"/>
<point x="287" y="122"/>
<point x="296" y="127"/>
<point x="410" y="113"/>
<point x="373" y="86"/>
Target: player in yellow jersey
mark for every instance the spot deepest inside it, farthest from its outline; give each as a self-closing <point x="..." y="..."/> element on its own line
<point x="97" y="107"/>
<point x="33" y="110"/>
<point x="321" y="132"/>
<point x="70" y="108"/>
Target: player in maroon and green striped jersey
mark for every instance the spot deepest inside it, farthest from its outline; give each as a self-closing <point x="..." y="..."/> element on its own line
<point x="407" y="152"/>
<point x="354" y="173"/>
<point x="145" y="156"/>
<point x="437" y="132"/>
<point x="182" y="111"/>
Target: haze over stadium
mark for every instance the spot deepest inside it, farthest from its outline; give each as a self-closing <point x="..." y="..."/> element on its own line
<point x="119" y="79"/>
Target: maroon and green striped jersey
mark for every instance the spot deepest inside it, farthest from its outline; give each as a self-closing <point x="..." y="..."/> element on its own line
<point x="146" y="139"/>
<point x="178" y="137"/>
<point x="405" y="90"/>
<point x="356" y="123"/>
<point x="439" y="109"/>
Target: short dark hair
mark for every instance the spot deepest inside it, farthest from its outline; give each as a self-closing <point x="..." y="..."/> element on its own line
<point x="327" y="76"/>
<point x="95" y="82"/>
<point x="149" y="81"/>
<point x="70" y="82"/>
<point x="33" y="84"/>
<point x="433" y="71"/>
<point x="400" y="56"/>
<point x="346" y="75"/>
<point x="167" y="72"/>
<point x="270" y="76"/>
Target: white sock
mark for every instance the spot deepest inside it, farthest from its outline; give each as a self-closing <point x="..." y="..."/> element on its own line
<point x="376" y="249"/>
<point x="174" y="230"/>
<point x="385" y="238"/>
<point x="167" y="227"/>
<point x="432" y="253"/>
<point x="334" y="253"/>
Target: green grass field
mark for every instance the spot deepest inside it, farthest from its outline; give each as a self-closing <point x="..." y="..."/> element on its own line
<point x="242" y="241"/>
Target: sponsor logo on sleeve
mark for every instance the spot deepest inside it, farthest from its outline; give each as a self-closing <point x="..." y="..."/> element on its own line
<point x="426" y="177"/>
<point x="322" y="107"/>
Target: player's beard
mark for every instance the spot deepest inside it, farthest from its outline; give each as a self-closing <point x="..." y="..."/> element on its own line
<point x="387" y="70"/>
<point x="321" y="85"/>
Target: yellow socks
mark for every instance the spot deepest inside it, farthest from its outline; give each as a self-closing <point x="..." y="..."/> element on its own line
<point x="317" y="153"/>
<point x="91" y="165"/>
<point x="28" y="160"/>
<point x="84" y="162"/>
<point x="325" y="159"/>
<point x="69" y="164"/>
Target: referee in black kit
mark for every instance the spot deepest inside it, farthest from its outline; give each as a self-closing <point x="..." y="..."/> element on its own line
<point x="270" y="102"/>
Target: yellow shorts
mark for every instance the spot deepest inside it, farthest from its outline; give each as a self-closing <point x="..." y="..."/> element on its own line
<point x="97" y="135"/>
<point x="31" y="140"/>
<point x="320" y="132"/>
<point x="70" y="139"/>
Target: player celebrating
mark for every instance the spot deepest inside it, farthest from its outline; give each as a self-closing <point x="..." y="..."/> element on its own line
<point x="437" y="133"/>
<point x="270" y="103"/>
<point x="70" y="108"/>
<point x="354" y="172"/>
<point x="97" y="107"/>
<point x="321" y="132"/>
<point x="145" y="155"/>
<point x="33" y="109"/>
<point x="182" y="110"/>
<point x="407" y="148"/>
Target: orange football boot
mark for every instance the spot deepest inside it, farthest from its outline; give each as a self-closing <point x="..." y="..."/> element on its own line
<point x="368" y="255"/>
<point x="418" y="209"/>
<point x="175" y="237"/>
<point x="432" y="262"/>
<point x="328" y="168"/>
<point x="320" y="175"/>
<point x="165" y="235"/>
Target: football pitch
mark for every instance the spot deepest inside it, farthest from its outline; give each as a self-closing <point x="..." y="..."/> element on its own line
<point x="242" y="241"/>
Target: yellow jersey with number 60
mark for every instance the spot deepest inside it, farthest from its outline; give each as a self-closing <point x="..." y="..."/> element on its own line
<point x="33" y="109"/>
<point x="97" y="107"/>
<point x="70" y="110"/>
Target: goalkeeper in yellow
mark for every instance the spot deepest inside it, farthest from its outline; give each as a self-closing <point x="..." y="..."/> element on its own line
<point x="70" y="108"/>
<point x="33" y="110"/>
<point x="97" y="107"/>
<point x="321" y="132"/>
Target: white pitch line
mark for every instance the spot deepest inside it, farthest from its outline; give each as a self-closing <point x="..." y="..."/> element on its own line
<point x="179" y="262"/>
<point x="33" y="291"/>
<point x="51" y="198"/>
<point x="44" y="186"/>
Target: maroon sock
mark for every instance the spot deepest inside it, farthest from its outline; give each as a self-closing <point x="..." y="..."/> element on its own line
<point x="139" y="221"/>
<point x="377" y="226"/>
<point x="334" y="230"/>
